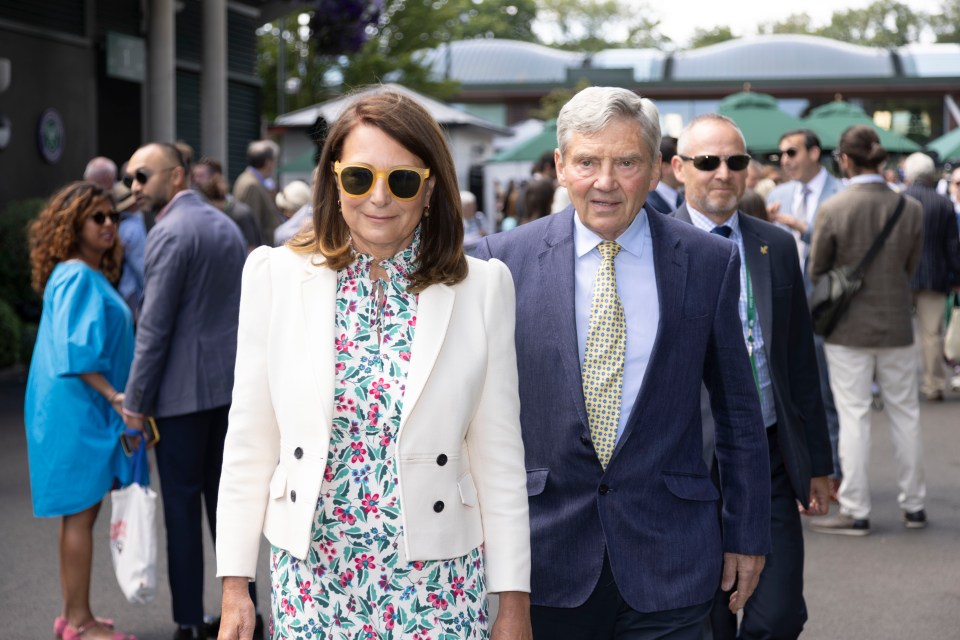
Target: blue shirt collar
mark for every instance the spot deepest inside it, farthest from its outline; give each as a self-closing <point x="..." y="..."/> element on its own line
<point x="631" y="240"/>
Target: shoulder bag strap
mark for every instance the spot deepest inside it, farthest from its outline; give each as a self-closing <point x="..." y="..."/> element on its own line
<point x="878" y="242"/>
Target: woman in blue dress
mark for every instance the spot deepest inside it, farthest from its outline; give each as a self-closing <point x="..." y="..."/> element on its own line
<point x="72" y="410"/>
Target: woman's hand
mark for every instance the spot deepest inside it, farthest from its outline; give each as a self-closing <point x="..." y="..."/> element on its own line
<point x="237" y="615"/>
<point x="513" y="617"/>
<point x="117" y="402"/>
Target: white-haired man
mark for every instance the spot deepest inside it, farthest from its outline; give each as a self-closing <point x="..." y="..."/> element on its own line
<point x="255" y="187"/>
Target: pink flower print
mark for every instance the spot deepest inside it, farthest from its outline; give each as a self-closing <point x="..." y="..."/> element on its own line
<point x="305" y="592"/>
<point x="328" y="474"/>
<point x="368" y="631"/>
<point x="370" y="502"/>
<point x="378" y="387"/>
<point x="341" y="366"/>
<point x="358" y="452"/>
<point x="343" y="344"/>
<point x="412" y="321"/>
<point x="118" y="530"/>
<point x="288" y="608"/>
<point x="374" y="414"/>
<point x="346" y="578"/>
<point x="390" y="617"/>
<point x="457" y="586"/>
<point x="345" y="406"/>
<point x="364" y="562"/>
<point x="437" y="602"/>
<point x="344" y="516"/>
<point x="352" y="306"/>
<point x="405" y="355"/>
<point x="385" y="440"/>
<point x="421" y="634"/>
<point x="418" y="565"/>
<point x="384" y="583"/>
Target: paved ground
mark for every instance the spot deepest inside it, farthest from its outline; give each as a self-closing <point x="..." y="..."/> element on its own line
<point x="893" y="584"/>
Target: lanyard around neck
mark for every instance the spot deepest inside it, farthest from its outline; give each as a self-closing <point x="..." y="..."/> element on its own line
<point x="751" y="323"/>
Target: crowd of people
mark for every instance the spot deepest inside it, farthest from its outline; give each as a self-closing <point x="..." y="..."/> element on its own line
<point x="613" y="413"/>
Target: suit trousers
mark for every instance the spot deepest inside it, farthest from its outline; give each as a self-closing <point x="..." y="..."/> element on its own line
<point x="189" y="461"/>
<point x="930" y="331"/>
<point x="852" y="371"/>
<point x="776" y="610"/>
<point x="606" y="616"/>
<point x="833" y="421"/>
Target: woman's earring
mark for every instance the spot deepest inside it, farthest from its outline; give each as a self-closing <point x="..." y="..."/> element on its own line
<point x="426" y="211"/>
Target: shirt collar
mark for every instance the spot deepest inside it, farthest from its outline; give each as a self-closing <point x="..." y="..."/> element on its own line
<point x="818" y="181"/>
<point x="631" y="240"/>
<point x="703" y="222"/>
<point x="867" y="178"/>
<point x="669" y="193"/>
<point x="176" y="197"/>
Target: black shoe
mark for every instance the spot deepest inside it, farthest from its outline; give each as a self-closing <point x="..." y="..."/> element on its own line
<point x="213" y="628"/>
<point x="841" y="524"/>
<point x="916" y="520"/>
<point x="191" y="633"/>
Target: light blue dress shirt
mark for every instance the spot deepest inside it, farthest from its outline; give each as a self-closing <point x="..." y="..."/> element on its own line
<point x="637" y="288"/>
<point x="767" y="403"/>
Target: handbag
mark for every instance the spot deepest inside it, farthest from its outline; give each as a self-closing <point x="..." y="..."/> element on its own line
<point x="951" y="340"/>
<point x="133" y="533"/>
<point x="833" y="292"/>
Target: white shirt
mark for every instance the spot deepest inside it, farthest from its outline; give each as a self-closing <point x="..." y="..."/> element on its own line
<point x="668" y="193"/>
<point x="637" y="288"/>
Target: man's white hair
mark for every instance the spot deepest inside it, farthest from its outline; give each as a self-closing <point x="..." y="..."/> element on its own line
<point x="918" y="166"/>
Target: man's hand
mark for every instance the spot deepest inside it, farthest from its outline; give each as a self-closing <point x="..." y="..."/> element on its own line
<point x="237" y="615"/>
<point x="819" y="497"/>
<point x="513" y="618"/>
<point x="788" y="220"/>
<point x="134" y="422"/>
<point x="772" y="210"/>
<point x="744" y="572"/>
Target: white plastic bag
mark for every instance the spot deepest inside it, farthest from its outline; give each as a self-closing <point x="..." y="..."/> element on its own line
<point x="951" y="341"/>
<point x="133" y="538"/>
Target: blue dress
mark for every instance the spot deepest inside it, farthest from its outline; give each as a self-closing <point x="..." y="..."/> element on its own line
<point x="73" y="434"/>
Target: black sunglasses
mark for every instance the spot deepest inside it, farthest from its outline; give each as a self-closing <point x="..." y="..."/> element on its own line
<point x="357" y="179"/>
<point x="737" y="162"/>
<point x="100" y="217"/>
<point x="141" y="176"/>
<point x="791" y="152"/>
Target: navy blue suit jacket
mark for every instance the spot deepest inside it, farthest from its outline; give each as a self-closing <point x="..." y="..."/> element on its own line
<point x="654" y="510"/>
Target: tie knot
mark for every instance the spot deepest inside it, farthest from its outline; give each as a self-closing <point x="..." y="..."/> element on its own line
<point x="722" y="230"/>
<point x="609" y="249"/>
<point x="806" y="191"/>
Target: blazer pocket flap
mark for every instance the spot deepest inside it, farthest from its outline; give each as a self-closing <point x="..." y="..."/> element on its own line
<point x="468" y="490"/>
<point x="278" y="483"/>
<point x="691" y="487"/>
<point x="536" y="481"/>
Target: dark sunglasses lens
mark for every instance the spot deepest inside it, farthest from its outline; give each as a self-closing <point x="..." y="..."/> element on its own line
<point x="128" y="181"/>
<point x="356" y="180"/>
<point x="791" y="152"/>
<point x="142" y="176"/>
<point x="706" y="163"/>
<point x="738" y="163"/>
<point x="100" y="217"/>
<point x="404" y="183"/>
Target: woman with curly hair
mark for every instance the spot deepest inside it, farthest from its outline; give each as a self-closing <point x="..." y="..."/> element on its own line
<point x="72" y="410"/>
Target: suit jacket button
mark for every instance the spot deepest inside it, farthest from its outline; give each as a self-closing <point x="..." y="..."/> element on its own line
<point x="298" y="453"/>
<point x="442" y="459"/>
<point x="293" y="496"/>
<point x="604" y="489"/>
<point x="585" y="440"/>
<point x="438" y="506"/>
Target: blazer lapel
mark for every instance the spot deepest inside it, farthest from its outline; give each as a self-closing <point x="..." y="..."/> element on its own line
<point x="434" y="308"/>
<point x="557" y="279"/>
<point x="319" y="294"/>
<point x="758" y="265"/>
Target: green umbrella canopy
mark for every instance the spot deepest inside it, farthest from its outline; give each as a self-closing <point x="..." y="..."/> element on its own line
<point x="532" y="148"/>
<point x="947" y="146"/>
<point x="830" y="120"/>
<point x="760" y="119"/>
<point x="301" y="164"/>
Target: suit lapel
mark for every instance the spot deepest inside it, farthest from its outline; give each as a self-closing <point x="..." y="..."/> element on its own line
<point x="557" y="280"/>
<point x="434" y="308"/>
<point x="758" y="264"/>
<point x="319" y="294"/>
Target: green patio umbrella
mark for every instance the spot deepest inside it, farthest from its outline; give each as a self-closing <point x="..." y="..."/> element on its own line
<point x="532" y="148"/>
<point x="301" y="164"/>
<point x="760" y="119"/>
<point x="832" y="119"/>
<point x="947" y="146"/>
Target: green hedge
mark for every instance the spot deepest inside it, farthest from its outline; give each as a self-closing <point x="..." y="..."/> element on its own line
<point x="10" y="335"/>
<point x="15" y="257"/>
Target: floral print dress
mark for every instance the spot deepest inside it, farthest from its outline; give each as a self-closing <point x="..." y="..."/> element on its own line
<point x="354" y="583"/>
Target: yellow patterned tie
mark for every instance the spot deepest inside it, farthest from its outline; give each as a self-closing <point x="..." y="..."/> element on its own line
<point x="604" y="357"/>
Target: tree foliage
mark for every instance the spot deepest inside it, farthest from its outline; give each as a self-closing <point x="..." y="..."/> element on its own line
<point x="707" y="37"/>
<point x="885" y="23"/>
<point x="594" y="25"/>
<point x="946" y="23"/>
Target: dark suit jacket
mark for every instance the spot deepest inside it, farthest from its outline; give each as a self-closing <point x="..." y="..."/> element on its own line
<point x="939" y="267"/>
<point x="654" y="510"/>
<point x="656" y="201"/>
<point x="187" y="335"/>
<point x="788" y="345"/>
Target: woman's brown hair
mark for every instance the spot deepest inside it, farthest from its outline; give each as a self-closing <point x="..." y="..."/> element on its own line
<point x="54" y="235"/>
<point x="862" y="145"/>
<point x="441" y="258"/>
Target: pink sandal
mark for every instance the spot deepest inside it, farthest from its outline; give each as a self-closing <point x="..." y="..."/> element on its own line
<point x="60" y="623"/>
<point x="70" y="633"/>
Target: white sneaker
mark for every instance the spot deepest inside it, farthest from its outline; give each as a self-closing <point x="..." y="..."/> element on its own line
<point x="955" y="383"/>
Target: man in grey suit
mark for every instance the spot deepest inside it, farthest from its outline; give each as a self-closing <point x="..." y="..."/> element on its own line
<point x="712" y="165"/>
<point x="182" y="371"/>
<point x="795" y="204"/>
<point x="622" y="315"/>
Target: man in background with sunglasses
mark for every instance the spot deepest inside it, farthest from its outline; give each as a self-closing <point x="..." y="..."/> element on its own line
<point x="182" y="371"/>
<point x="711" y="162"/>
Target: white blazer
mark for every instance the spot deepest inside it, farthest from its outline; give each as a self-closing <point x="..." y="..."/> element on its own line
<point x="460" y="463"/>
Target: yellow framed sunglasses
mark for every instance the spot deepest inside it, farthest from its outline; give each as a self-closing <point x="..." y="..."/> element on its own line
<point x="357" y="179"/>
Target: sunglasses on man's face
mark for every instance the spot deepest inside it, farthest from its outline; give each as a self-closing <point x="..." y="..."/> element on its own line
<point x="100" y="217"/>
<point x="141" y="176"/>
<point x="357" y="179"/>
<point x="737" y="162"/>
<point x="790" y="153"/>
